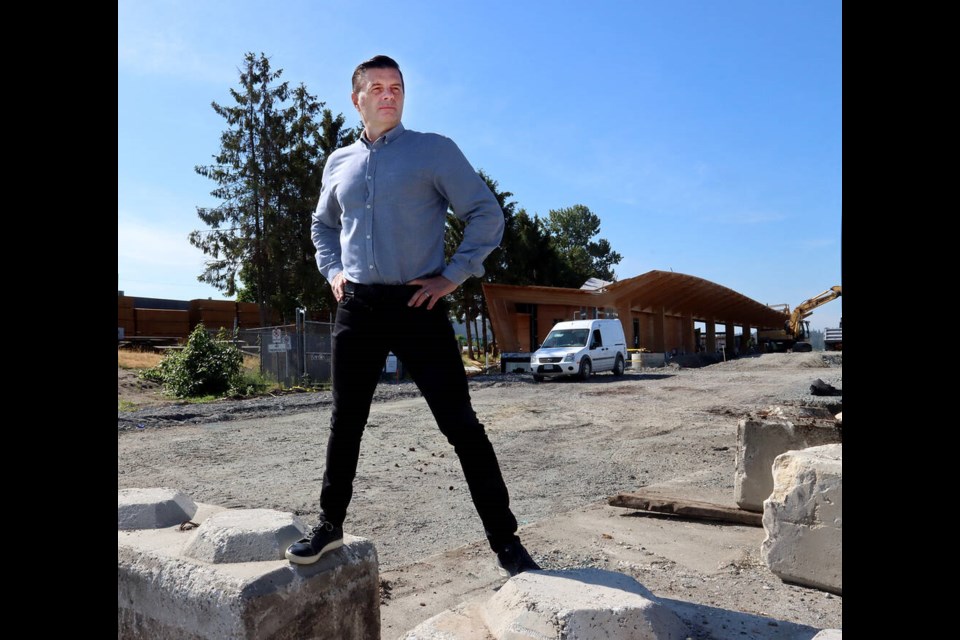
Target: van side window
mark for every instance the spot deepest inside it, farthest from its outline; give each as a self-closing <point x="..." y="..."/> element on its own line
<point x="597" y="340"/>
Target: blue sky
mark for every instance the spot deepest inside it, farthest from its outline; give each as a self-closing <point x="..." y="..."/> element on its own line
<point x="706" y="135"/>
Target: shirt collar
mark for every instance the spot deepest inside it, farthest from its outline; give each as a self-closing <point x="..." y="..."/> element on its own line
<point x="388" y="137"/>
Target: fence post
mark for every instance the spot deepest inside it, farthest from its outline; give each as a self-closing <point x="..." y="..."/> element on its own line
<point x="301" y="331"/>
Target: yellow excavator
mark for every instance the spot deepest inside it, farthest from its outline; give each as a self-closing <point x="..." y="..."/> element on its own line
<point x="795" y="334"/>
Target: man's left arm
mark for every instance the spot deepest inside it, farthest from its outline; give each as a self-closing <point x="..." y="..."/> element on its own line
<point x="474" y="203"/>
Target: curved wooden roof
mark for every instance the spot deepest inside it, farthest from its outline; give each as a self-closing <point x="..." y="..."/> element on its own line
<point x="678" y="294"/>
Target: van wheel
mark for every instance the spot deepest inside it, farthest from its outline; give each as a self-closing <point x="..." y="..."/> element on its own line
<point x="585" y="369"/>
<point x="538" y="378"/>
<point x="618" y="366"/>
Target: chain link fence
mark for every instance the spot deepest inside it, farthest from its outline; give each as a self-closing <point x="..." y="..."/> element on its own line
<point x="292" y="353"/>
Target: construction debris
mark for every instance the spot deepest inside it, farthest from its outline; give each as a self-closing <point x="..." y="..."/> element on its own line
<point x="821" y="388"/>
<point x="658" y="503"/>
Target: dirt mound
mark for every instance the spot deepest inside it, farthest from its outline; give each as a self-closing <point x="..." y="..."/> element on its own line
<point x="773" y="361"/>
<point x="134" y="393"/>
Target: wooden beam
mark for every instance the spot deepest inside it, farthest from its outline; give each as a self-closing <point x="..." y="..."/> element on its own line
<point x="658" y="503"/>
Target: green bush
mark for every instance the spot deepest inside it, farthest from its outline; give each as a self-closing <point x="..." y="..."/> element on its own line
<point x="204" y="367"/>
<point x="250" y="383"/>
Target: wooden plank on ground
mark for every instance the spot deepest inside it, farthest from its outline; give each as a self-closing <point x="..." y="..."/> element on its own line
<point x="659" y="503"/>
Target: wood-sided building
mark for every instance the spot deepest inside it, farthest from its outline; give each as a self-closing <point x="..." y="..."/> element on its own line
<point x="658" y="310"/>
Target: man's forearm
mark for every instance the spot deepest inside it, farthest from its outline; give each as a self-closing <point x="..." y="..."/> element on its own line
<point x="327" y="242"/>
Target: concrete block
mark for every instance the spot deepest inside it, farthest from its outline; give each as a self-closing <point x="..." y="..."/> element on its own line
<point x="244" y="535"/>
<point x="829" y="634"/>
<point x="152" y="508"/>
<point x="652" y="360"/>
<point x="580" y="604"/>
<point x="464" y="622"/>
<point x="640" y="360"/>
<point x="163" y="593"/>
<point x="759" y="442"/>
<point x="803" y="518"/>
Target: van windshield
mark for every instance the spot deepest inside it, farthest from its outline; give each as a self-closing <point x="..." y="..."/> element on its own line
<point x="567" y="338"/>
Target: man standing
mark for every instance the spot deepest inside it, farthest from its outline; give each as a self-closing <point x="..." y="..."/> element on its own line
<point x="379" y="233"/>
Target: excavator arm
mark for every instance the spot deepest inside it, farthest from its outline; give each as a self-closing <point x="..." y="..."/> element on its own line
<point x="804" y="309"/>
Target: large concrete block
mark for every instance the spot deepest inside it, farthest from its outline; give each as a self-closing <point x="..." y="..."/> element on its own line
<point x="829" y="634"/>
<point x="581" y="604"/>
<point x="163" y="593"/>
<point x="759" y="442"/>
<point x="244" y="535"/>
<point x="152" y="508"/>
<point x="465" y="622"/>
<point x="803" y="518"/>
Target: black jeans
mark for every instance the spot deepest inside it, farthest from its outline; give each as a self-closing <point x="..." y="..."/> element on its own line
<point x="373" y="320"/>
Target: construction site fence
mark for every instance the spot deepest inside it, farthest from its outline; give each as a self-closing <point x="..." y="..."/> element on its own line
<point x="293" y="354"/>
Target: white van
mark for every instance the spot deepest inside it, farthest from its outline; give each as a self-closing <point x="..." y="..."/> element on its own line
<point x="579" y="348"/>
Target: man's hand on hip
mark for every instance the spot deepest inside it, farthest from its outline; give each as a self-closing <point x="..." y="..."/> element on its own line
<point x="337" y="285"/>
<point x="431" y="290"/>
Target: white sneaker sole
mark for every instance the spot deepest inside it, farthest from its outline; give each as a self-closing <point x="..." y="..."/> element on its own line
<point x="336" y="544"/>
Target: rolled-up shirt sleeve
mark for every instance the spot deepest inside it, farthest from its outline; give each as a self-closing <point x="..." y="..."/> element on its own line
<point x="326" y="227"/>
<point x="474" y="203"/>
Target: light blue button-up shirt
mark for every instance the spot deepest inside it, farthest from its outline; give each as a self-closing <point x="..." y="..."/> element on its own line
<point x="382" y="211"/>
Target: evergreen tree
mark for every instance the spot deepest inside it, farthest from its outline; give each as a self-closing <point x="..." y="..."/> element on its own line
<point x="268" y="175"/>
<point x="247" y="174"/>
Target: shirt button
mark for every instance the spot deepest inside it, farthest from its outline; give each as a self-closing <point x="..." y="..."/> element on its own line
<point x="368" y="237"/>
<point x="368" y="177"/>
<point x="371" y="266"/>
<point x="368" y="206"/>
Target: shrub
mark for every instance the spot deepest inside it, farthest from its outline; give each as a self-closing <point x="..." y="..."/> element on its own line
<point x="205" y="366"/>
<point x="249" y="383"/>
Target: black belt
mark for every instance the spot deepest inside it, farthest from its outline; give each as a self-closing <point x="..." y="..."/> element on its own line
<point x="371" y="293"/>
<point x="354" y="287"/>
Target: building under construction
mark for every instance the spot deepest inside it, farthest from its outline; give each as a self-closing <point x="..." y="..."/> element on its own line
<point x="658" y="310"/>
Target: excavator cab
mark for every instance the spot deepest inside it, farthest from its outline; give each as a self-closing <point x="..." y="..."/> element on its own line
<point x="802" y="343"/>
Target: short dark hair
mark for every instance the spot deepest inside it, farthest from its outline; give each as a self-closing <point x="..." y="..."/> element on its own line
<point x="376" y="62"/>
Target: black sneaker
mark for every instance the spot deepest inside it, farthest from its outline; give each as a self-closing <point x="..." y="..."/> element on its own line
<point x="324" y="537"/>
<point x="514" y="559"/>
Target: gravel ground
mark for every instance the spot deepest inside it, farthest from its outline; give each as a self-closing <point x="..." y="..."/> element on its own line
<point x="564" y="447"/>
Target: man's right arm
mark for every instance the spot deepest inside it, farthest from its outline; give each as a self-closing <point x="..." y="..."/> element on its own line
<point x="325" y="229"/>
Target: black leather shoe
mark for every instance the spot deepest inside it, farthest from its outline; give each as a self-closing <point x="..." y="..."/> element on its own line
<point x="324" y="537"/>
<point x="514" y="559"/>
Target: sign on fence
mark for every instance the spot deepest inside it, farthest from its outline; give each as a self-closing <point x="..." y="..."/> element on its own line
<point x="288" y="353"/>
<point x="281" y="342"/>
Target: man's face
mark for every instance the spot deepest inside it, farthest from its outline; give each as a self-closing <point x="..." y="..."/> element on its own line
<point x="380" y="100"/>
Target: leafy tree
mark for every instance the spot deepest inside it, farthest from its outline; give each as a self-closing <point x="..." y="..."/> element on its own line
<point x="533" y="258"/>
<point x="572" y="231"/>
